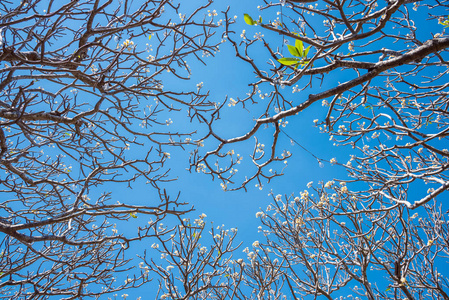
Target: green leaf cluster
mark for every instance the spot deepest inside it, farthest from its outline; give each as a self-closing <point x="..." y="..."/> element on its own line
<point x="299" y="53"/>
<point x="445" y="23"/>
<point x="250" y="21"/>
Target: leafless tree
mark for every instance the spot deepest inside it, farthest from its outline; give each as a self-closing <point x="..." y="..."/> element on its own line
<point x="325" y="242"/>
<point x="379" y="69"/>
<point x="335" y="243"/>
<point x="81" y="82"/>
<point x="195" y="263"/>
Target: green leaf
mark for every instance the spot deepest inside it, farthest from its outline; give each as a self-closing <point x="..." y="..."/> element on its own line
<point x="260" y="19"/>
<point x="149" y="37"/>
<point x="293" y="51"/>
<point x="387" y="289"/>
<point x="300" y="47"/>
<point x="249" y="20"/>
<point x="133" y="215"/>
<point x="445" y="23"/>
<point x="306" y="51"/>
<point x="288" y="61"/>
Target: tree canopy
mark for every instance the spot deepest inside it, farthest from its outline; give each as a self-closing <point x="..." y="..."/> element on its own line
<point x="89" y="92"/>
<point x="83" y="107"/>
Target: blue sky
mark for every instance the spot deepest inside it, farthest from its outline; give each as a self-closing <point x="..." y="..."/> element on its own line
<point x="227" y="76"/>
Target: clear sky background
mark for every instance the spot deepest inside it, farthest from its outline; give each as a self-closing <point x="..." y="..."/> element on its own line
<point x="227" y="76"/>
